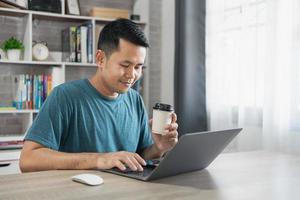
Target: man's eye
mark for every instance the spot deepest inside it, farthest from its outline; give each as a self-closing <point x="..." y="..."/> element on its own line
<point x="138" y="67"/>
<point x="124" y="65"/>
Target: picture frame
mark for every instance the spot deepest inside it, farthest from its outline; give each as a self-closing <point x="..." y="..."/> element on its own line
<point x="72" y="7"/>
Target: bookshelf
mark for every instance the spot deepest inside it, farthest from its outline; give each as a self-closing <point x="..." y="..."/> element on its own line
<point x="39" y="26"/>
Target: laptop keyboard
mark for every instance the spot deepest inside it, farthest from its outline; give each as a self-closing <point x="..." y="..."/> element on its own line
<point x="146" y="171"/>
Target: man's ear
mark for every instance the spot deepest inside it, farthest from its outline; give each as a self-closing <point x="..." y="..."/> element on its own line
<point x="100" y="58"/>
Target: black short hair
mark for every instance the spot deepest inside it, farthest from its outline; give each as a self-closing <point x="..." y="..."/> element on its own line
<point x="120" y="29"/>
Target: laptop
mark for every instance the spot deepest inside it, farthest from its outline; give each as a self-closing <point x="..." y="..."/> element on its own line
<point x="194" y="151"/>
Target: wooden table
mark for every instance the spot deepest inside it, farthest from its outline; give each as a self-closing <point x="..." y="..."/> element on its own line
<point x="232" y="176"/>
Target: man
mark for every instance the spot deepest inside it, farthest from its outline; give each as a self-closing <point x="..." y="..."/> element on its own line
<point x="99" y="123"/>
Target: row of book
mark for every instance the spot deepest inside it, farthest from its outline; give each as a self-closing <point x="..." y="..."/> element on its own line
<point x="77" y="43"/>
<point x="11" y="144"/>
<point x="31" y="90"/>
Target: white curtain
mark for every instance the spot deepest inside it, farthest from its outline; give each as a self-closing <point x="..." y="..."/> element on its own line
<point x="253" y="72"/>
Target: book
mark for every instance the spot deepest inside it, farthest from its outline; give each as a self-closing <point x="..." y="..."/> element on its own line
<point x="78" y="45"/>
<point x="12" y="144"/>
<point x="83" y="43"/>
<point x="31" y="91"/>
<point x="44" y="93"/>
<point x="35" y="92"/>
<point x="40" y="91"/>
<point x="20" y="90"/>
<point x="65" y="45"/>
<point x="28" y="83"/>
<point x="73" y="43"/>
<point x="69" y="44"/>
<point x="90" y="43"/>
<point x="49" y="84"/>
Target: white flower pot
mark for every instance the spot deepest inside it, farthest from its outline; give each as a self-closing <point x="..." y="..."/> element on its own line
<point x="13" y="54"/>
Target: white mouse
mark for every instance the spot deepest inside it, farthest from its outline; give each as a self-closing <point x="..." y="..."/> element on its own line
<point x="88" y="179"/>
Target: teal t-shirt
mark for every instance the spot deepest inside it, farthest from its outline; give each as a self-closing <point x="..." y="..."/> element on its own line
<point x="77" y="118"/>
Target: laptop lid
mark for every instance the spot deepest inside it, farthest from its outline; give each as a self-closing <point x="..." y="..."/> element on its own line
<point x="194" y="151"/>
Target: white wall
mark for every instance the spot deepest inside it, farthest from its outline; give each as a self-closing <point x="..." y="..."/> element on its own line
<point x="141" y="7"/>
<point x="160" y="30"/>
<point x="168" y="51"/>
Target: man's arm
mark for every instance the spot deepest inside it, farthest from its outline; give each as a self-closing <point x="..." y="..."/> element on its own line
<point x="35" y="157"/>
<point x="162" y="143"/>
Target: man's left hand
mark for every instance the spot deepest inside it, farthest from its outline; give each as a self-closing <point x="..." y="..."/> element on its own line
<point x="169" y="139"/>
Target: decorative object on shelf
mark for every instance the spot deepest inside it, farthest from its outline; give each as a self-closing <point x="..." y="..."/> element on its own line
<point x="135" y="17"/>
<point x="13" y="47"/>
<point x="13" y="4"/>
<point x="72" y="7"/>
<point x="2" y="54"/>
<point x="40" y="51"/>
<point x="110" y="13"/>
<point x="45" y="5"/>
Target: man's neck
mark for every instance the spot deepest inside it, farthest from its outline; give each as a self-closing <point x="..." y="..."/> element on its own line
<point x="100" y="87"/>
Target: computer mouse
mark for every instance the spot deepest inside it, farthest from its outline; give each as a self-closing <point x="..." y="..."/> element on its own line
<point x="88" y="179"/>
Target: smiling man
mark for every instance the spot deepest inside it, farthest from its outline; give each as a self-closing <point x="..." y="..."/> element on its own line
<point x="99" y="123"/>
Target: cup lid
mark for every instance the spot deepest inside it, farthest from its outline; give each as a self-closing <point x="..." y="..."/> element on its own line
<point x="164" y="107"/>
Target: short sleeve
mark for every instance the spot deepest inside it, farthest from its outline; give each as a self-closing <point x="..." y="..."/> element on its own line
<point x="51" y="122"/>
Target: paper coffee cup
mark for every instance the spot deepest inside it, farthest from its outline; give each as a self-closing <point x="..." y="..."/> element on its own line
<point x="162" y="116"/>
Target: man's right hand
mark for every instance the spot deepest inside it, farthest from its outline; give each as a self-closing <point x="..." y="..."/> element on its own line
<point x="121" y="160"/>
<point x="33" y="153"/>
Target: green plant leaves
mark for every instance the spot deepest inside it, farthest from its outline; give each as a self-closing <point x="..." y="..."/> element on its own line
<point x="12" y="43"/>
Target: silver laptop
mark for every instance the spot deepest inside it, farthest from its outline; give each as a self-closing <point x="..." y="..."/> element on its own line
<point x="194" y="151"/>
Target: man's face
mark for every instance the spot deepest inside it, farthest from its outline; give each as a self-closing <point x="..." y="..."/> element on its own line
<point x="122" y="68"/>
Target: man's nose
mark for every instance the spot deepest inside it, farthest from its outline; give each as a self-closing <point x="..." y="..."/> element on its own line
<point x="130" y="73"/>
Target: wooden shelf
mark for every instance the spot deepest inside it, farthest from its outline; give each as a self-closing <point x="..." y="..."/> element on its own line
<point x="59" y="17"/>
<point x="74" y="64"/>
<point x="48" y="63"/>
<point x="55" y="16"/>
<point x="11" y="111"/>
<point x="24" y="62"/>
<point x="13" y="12"/>
<point x="105" y="20"/>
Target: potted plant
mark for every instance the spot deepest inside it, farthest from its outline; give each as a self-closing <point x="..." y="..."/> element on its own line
<point x="13" y="47"/>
